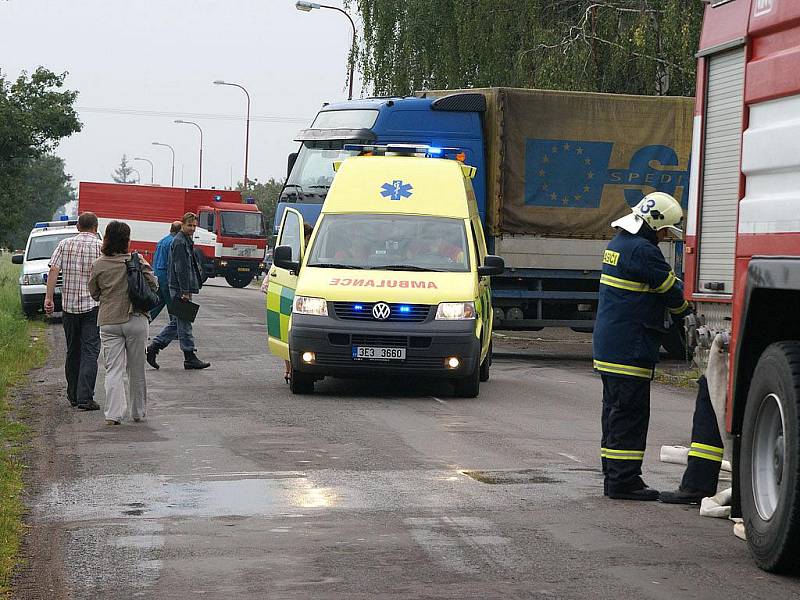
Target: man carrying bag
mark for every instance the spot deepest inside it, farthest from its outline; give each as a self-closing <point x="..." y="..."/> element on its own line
<point x="183" y="277"/>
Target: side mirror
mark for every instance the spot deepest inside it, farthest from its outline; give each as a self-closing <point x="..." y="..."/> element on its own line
<point x="282" y="258"/>
<point x="17" y="259"/>
<point x="492" y="265"/>
<point x="290" y="163"/>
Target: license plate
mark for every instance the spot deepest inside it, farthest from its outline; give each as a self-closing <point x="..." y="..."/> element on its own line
<point x="243" y="269"/>
<point x="370" y="352"/>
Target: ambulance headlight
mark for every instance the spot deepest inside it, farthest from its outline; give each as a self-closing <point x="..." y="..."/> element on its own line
<point x="455" y="311"/>
<point x="305" y="305"/>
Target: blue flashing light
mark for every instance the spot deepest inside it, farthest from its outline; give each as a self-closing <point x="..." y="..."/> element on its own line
<point x="217" y="197"/>
<point x="358" y="307"/>
<point x="434" y="151"/>
<point x="249" y="200"/>
<point x="405" y="309"/>
<point x="40" y="225"/>
<point x="64" y="218"/>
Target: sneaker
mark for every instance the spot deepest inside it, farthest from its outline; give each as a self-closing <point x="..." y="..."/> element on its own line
<point x="92" y="405"/>
<point x="682" y="496"/>
<point x="646" y="494"/>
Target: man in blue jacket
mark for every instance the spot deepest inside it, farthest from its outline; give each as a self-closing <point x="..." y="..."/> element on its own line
<point x="160" y="264"/>
<point x="184" y="278"/>
<point x="639" y="295"/>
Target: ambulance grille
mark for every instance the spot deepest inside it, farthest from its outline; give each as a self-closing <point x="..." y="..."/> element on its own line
<point x="400" y="313"/>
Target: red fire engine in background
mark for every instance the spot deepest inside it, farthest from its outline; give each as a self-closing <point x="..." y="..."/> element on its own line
<point x="231" y="235"/>
<point x="742" y="253"/>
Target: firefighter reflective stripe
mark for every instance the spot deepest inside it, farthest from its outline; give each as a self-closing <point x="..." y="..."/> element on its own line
<point x="624" y="284"/>
<point x="613" y="454"/>
<point x="279" y="310"/>
<point x="705" y="451"/>
<point x="618" y="369"/>
<point x="680" y="309"/>
<point x="668" y="283"/>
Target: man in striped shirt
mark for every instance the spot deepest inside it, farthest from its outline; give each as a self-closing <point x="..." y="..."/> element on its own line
<point x="73" y="259"/>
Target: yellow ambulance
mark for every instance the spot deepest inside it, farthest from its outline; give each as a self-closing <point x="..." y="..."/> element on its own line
<point x="393" y="280"/>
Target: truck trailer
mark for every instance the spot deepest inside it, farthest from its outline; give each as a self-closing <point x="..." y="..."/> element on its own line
<point x="230" y="235"/>
<point x="553" y="170"/>
<point x="743" y="255"/>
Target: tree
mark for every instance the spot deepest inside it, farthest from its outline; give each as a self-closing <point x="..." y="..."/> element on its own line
<point x="35" y="114"/>
<point x="123" y="172"/>
<point x="619" y="46"/>
<point x="265" y="195"/>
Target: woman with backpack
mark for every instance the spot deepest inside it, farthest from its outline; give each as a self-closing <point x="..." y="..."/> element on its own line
<point x="123" y="324"/>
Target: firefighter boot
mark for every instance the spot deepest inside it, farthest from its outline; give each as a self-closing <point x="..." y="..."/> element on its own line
<point x="190" y="361"/>
<point x="151" y="353"/>
<point x="643" y="493"/>
<point x="683" y="496"/>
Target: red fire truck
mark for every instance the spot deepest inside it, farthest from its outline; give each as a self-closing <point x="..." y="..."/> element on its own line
<point x="231" y="235"/>
<point x="742" y="253"/>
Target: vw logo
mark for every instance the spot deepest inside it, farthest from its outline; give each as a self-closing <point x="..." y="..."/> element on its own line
<point x="381" y="311"/>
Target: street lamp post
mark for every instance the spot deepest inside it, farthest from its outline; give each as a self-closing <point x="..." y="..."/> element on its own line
<point x="305" y="6"/>
<point x="150" y="162"/>
<point x="181" y="121"/>
<point x="172" y="180"/>
<point x="247" y="126"/>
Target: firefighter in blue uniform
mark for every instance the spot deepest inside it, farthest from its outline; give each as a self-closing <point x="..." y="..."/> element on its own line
<point x="639" y="296"/>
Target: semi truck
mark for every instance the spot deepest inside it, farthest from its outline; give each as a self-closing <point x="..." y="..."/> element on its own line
<point x="554" y="169"/>
<point x="230" y="239"/>
<point x="743" y="255"/>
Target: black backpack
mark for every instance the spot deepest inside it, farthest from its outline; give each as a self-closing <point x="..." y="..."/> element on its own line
<point x="139" y="291"/>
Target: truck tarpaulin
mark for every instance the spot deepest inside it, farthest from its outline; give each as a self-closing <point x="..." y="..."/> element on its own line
<point x="566" y="164"/>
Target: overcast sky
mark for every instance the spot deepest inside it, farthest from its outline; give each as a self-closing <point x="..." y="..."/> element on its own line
<point x="161" y="56"/>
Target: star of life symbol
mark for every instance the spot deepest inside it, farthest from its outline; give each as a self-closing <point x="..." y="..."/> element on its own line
<point x="396" y="190"/>
<point x="381" y="311"/>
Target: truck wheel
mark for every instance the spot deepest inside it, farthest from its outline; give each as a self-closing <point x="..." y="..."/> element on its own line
<point x="301" y="383"/>
<point x="769" y="468"/>
<point x="469" y="386"/>
<point x="239" y="281"/>
<point x="487" y="362"/>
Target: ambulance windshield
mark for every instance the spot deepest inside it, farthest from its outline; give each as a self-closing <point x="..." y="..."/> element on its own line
<point x="390" y="242"/>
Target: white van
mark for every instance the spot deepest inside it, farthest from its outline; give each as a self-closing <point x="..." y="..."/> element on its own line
<point x="42" y="242"/>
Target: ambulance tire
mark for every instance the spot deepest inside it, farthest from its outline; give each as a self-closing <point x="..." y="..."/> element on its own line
<point x="487" y="362"/>
<point x="769" y="465"/>
<point x="239" y="281"/>
<point x="301" y="383"/>
<point x="469" y="386"/>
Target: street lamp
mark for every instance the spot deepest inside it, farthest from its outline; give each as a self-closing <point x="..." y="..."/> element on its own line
<point x="247" y="126"/>
<point x="152" y="168"/>
<point x="304" y="6"/>
<point x="181" y="121"/>
<point x="172" y="180"/>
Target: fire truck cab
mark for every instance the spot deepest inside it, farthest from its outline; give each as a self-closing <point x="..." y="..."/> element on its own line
<point x="742" y="253"/>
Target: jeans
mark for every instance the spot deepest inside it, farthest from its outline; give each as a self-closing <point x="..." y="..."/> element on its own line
<point x="176" y="328"/>
<point x="163" y="293"/>
<point x="83" y="348"/>
<point x="123" y="350"/>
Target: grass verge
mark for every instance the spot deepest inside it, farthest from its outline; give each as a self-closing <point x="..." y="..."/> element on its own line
<point x="22" y="347"/>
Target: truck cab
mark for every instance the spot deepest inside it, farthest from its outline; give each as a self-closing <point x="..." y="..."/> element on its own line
<point x="394" y="279"/>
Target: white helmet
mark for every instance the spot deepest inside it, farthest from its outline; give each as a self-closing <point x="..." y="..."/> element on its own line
<point x="658" y="209"/>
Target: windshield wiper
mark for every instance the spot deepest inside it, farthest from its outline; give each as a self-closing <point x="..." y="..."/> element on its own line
<point x="334" y="266"/>
<point x="403" y="268"/>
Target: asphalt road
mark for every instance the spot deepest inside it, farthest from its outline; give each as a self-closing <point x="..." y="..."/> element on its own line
<point x="234" y="488"/>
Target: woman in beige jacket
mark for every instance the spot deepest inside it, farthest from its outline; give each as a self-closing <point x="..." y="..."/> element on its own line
<point x="123" y="328"/>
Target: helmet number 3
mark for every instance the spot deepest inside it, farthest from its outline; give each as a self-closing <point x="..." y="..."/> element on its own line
<point x="647" y="205"/>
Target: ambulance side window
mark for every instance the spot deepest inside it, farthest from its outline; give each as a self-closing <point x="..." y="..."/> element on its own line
<point x="478" y="242"/>
<point x="290" y="234"/>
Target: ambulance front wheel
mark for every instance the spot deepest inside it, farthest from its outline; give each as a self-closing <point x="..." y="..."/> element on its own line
<point x="487" y="362"/>
<point x="769" y="466"/>
<point x="469" y="386"/>
<point x="301" y="383"/>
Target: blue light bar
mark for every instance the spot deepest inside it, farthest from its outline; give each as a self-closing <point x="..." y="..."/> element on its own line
<point x="404" y="150"/>
<point x="358" y="307"/>
<point x="405" y="309"/>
